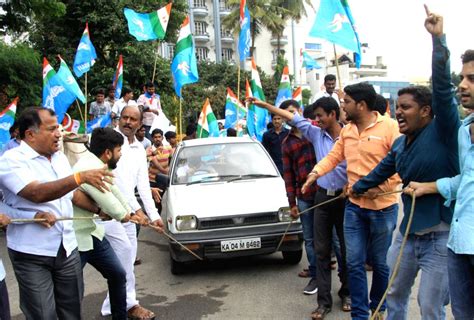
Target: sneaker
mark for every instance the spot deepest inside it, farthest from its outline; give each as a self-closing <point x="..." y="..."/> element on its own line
<point x="311" y="288"/>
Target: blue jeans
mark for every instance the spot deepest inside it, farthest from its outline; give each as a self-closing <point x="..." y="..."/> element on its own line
<point x="307" y="222"/>
<point x="360" y="225"/>
<point x="104" y="260"/>
<point x="427" y="253"/>
<point x="461" y="285"/>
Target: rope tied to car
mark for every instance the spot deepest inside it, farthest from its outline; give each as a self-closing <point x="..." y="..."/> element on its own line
<point x="402" y="247"/>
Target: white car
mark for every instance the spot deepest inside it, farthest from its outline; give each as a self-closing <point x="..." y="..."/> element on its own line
<point x="227" y="199"/>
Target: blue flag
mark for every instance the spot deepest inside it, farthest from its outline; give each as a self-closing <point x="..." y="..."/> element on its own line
<point x="308" y="62"/>
<point x="335" y="24"/>
<point x="85" y="54"/>
<point x="67" y="79"/>
<point x="55" y="96"/>
<point x="7" y="118"/>
<point x="184" y="66"/>
<point x="100" y="122"/>
<point x="244" y="36"/>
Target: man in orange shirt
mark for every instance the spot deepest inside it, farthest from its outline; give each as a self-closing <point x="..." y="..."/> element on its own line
<point x="363" y="143"/>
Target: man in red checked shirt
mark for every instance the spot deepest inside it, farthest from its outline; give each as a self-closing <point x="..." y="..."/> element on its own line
<point x="298" y="158"/>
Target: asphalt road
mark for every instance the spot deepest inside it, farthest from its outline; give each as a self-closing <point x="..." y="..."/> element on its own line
<point x="249" y="288"/>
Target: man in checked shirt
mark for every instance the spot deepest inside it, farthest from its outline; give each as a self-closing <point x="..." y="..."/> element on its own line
<point x="298" y="159"/>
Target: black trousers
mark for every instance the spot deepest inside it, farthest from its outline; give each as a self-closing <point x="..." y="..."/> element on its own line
<point x="50" y="287"/>
<point x="325" y="219"/>
<point x="4" y="303"/>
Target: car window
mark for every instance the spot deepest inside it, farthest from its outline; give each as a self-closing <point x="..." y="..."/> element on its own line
<point x="221" y="161"/>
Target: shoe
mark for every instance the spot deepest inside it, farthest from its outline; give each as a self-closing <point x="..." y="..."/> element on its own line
<point x="311" y="288"/>
<point x="379" y="316"/>
<point x="304" y="274"/>
<point x="137" y="262"/>
<point x="346" y="304"/>
<point x="320" y="312"/>
<point x="139" y="313"/>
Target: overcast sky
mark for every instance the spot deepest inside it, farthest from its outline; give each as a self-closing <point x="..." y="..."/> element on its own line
<point x="395" y="30"/>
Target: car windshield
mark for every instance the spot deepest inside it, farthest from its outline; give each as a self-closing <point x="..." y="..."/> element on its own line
<point x="222" y="162"/>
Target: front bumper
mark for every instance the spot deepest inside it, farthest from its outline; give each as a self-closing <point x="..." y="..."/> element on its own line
<point x="208" y="243"/>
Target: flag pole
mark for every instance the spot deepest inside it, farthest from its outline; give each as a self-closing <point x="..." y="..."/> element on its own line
<point x="238" y="98"/>
<point x="337" y="67"/>
<point x="156" y="59"/>
<point x="85" y="104"/>
<point x="180" y="114"/>
<point x="80" y="111"/>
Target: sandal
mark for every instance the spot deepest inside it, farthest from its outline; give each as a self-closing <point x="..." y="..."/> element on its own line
<point x="346" y="304"/>
<point x="137" y="312"/>
<point x="320" y="312"/>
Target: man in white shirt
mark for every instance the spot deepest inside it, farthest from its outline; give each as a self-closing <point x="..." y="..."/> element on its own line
<point x="151" y="107"/>
<point x="126" y="100"/>
<point x="4" y="303"/>
<point x="37" y="178"/>
<point x="131" y="172"/>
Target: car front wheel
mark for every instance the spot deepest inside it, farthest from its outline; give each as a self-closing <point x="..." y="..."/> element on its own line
<point x="292" y="257"/>
<point x="177" y="267"/>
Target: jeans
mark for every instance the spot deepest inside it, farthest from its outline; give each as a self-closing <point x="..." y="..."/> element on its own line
<point x="104" y="260"/>
<point x="427" y="253"/>
<point x="50" y="287"/>
<point x="360" y="225"/>
<point x="461" y="285"/>
<point x="326" y="218"/>
<point x="307" y="225"/>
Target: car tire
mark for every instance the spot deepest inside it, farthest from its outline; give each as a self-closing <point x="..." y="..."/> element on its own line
<point x="177" y="267"/>
<point x="292" y="257"/>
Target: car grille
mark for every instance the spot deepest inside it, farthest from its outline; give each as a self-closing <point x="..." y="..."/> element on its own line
<point x="237" y="221"/>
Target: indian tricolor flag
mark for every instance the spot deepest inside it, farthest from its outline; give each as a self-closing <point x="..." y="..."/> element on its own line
<point x="117" y="82"/>
<point x="7" y="118"/>
<point x="73" y="126"/>
<point x="148" y="26"/>
<point x="298" y="96"/>
<point x="207" y="123"/>
<point x="284" y="90"/>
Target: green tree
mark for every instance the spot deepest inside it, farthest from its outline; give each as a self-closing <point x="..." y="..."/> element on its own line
<point x="20" y="76"/>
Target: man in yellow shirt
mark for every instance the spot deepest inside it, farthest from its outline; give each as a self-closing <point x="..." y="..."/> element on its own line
<point x="363" y="143"/>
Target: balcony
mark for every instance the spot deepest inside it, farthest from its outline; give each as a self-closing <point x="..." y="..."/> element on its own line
<point x="201" y="37"/>
<point x="227" y="37"/>
<point x="200" y="11"/>
<point x="224" y="10"/>
<point x="283" y="40"/>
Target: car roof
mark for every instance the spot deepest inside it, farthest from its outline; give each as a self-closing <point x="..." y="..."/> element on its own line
<point x="211" y="141"/>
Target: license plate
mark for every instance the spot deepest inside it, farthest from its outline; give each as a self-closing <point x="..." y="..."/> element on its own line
<point x="240" y="244"/>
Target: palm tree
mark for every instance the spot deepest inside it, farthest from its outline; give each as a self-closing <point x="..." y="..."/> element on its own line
<point x="269" y="14"/>
<point x="263" y="14"/>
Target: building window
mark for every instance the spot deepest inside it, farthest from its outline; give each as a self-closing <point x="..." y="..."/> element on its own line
<point x="227" y="54"/>
<point x="201" y="53"/>
<point x="199" y="3"/>
<point x="225" y="33"/>
<point x="200" y="28"/>
<point x="223" y="5"/>
<point x="169" y="50"/>
<point x="312" y="46"/>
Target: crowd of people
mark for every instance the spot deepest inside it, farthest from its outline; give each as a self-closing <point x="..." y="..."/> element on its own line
<point x="349" y="155"/>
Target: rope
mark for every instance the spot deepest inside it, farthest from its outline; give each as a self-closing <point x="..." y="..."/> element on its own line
<point x="399" y="258"/>
<point x="57" y="219"/>
<point x="304" y="211"/>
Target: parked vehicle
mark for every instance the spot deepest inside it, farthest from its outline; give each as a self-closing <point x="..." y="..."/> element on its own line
<point x="227" y="199"/>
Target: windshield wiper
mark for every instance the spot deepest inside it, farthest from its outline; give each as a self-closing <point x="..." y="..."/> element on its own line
<point x="252" y="176"/>
<point x="213" y="178"/>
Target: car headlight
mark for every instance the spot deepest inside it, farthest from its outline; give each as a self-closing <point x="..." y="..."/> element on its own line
<point x="284" y="214"/>
<point x="184" y="223"/>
